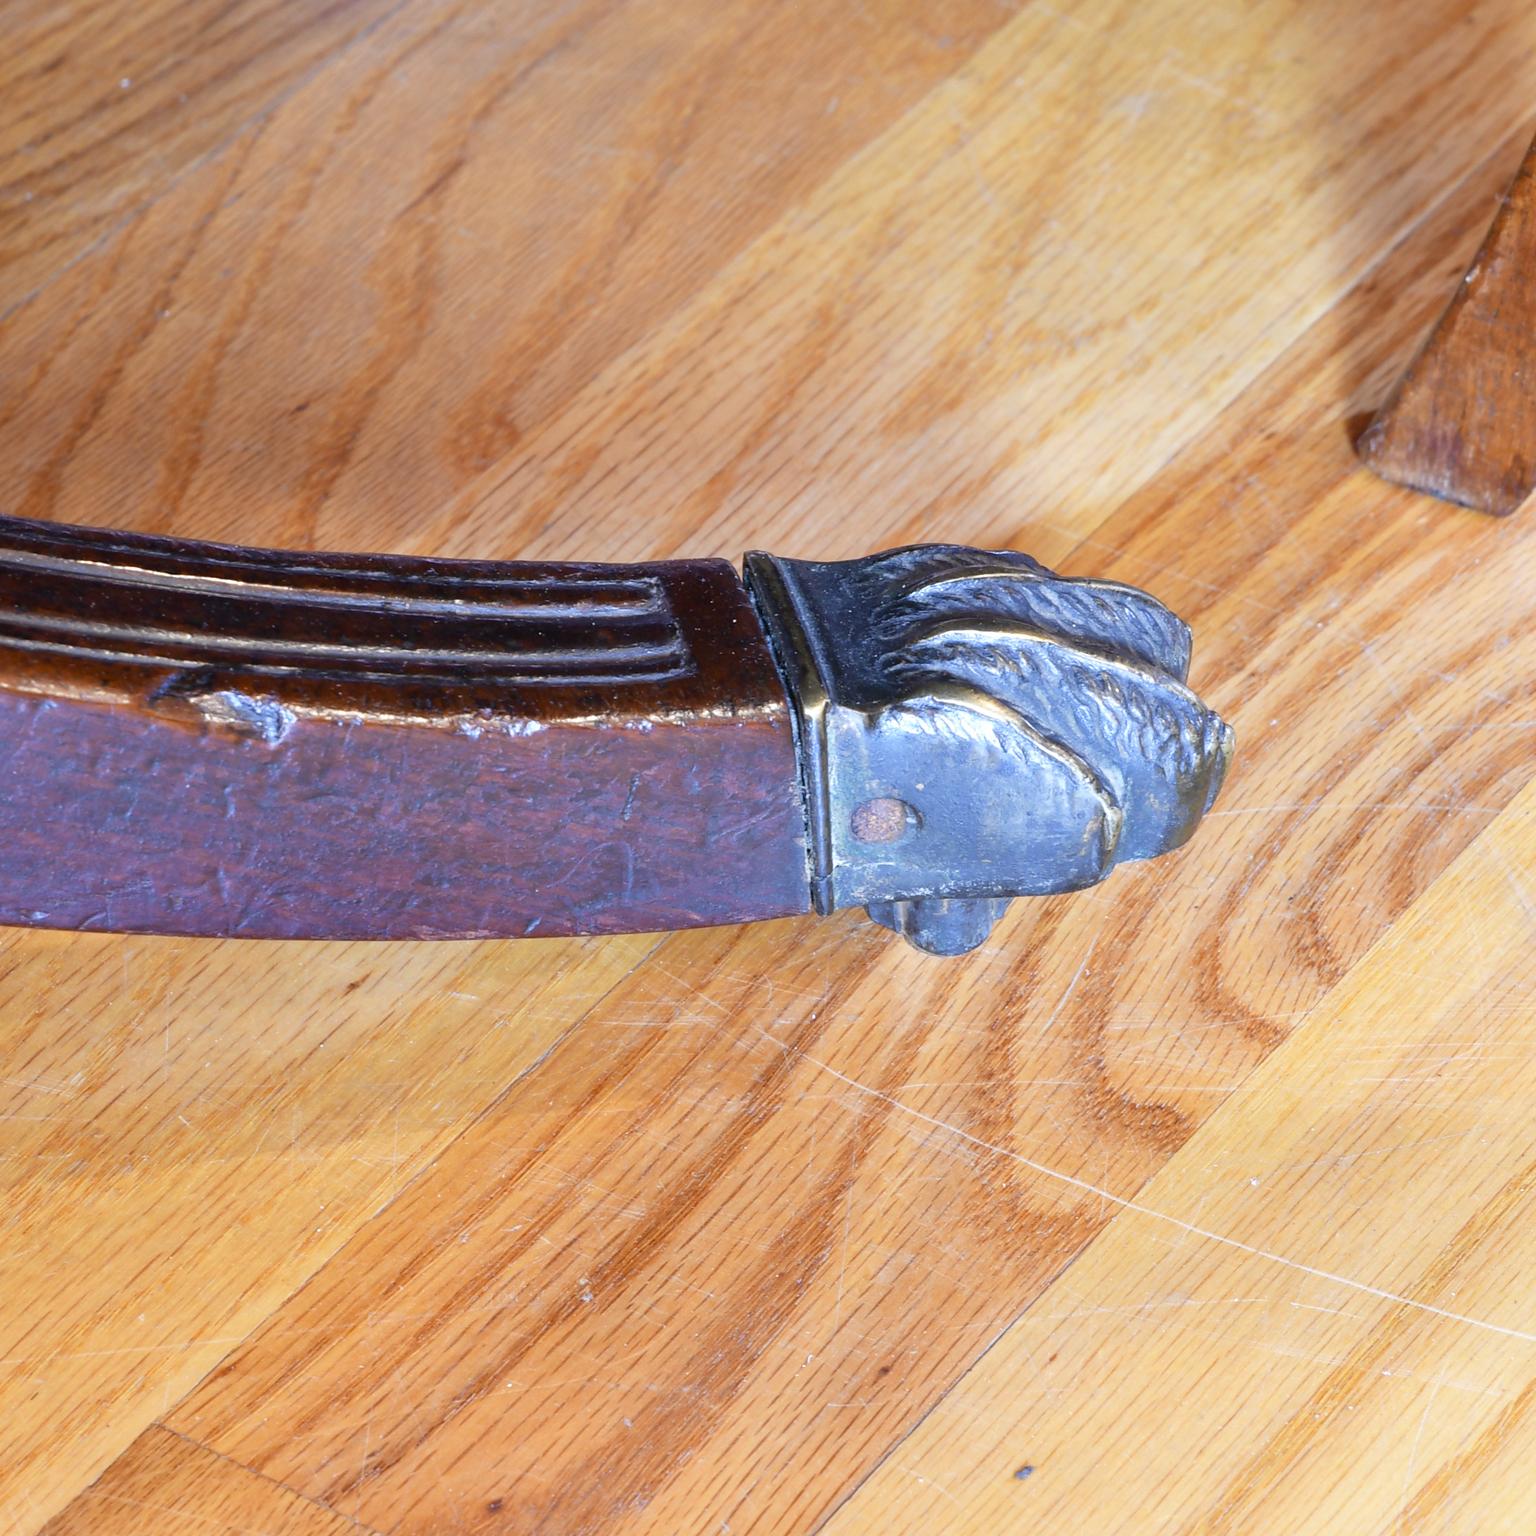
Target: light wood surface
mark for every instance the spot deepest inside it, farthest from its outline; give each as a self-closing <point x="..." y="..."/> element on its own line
<point x="1206" y="1195"/>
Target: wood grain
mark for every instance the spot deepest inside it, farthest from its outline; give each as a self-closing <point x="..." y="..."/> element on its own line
<point x="1024" y="299"/>
<point x="190" y="1130"/>
<point x="163" y="1485"/>
<point x="1462" y="423"/>
<point x="1093" y="1039"/>
<point x="1257" y="1256"/>
<point x="217" y="740"/>
<point x="777" y="1229"/>
<point x="349" y="321"/>
<point x="106" y="105"/>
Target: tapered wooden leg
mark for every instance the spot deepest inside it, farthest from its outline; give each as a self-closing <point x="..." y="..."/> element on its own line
<point x="1462" y="423"/>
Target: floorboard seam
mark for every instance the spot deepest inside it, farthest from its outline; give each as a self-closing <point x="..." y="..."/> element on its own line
<point x="421" y="1173"/>
<point x="256" y="1472"/>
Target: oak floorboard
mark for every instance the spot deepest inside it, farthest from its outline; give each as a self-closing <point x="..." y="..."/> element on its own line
<point x="188" y="1130"/>
<point x="357" y="306"/>
<point x="1013" y="308"/>
<point x="163" y="1485"/>
<point x="1319" y="1316"/>
<point x="249" y="1106"/>
<point x="106" y="104"/>
<point x="765" y="1229"/>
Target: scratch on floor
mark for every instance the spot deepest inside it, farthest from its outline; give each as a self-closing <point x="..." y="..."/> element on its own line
<point x="1413" y="1453"/>
<point x="1172" y="1303"/>
<point x="1123" y="1203"/>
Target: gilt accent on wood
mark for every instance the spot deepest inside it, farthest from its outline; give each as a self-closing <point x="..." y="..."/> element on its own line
<point x="1462" y="423"/>
<point x="205" y="739"/>
<point x="452" y="639"/>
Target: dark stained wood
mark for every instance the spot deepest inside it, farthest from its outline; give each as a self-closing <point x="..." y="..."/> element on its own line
<point x="1462" y="424"/>
<point x="205" y="739"/>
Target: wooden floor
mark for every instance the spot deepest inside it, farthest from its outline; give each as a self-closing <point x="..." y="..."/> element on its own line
<point x="1205" y="1201"/>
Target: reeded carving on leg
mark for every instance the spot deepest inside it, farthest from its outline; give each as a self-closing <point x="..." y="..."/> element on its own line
<point x="975" y="727"/>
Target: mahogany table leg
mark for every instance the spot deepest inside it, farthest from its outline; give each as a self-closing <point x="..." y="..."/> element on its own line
<point x="1462" y="423"/>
